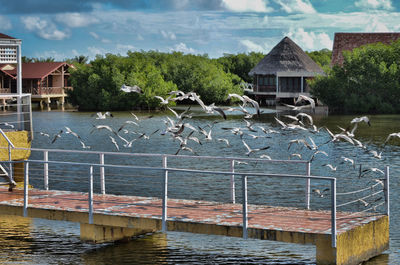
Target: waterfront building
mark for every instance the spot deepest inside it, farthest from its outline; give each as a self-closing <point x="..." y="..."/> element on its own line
<point x="283" y="72"/>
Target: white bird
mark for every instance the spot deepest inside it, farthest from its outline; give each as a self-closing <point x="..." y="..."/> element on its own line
<point x="69" y="131"/>
<point x="101" y="127"/>
<point x="317" y="152"/>
<point x="249" y="126"/>
<point x="299" y="141"/>
<point x="245" y="99"/>
<point x="281" y="123"/>
<point x="305" y="115"/>
<point x="351" y="161"/>
<point x="390" y="136"/>
<point x="101" y="116"/>
<point x="249" y="150"/>
<point x="207" y="134"/>
<point x="134" y="115"/>
<point x="210" y="108"/>
<point x="7" y="124"/>
<point x="331" y="167"/>
<point x="185" y="148"/>
<point x="319" y="192"/>
<point x="44" y="134"/>
<point x="127" y="144"/>
<point x="127" y="123"/>
<point x="296" y="155"/>
<point x="361" y="119"/>
<point x="114" y="142"/>
<point x="58" y="135"/>
<point x="163" y="101"/>
<point x="376" y="154"/>
<point x="306" y="98"/>
<point x="84" y="146"/>
<point x="129" y="89"/>
<point x="296" y="107"/>
<point x="226" y="141"/>
<point x="182" y="115"/>
<point x="266" y="157"/>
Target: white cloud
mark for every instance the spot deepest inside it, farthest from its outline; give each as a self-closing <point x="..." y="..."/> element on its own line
<point x="124" y="48"/>
<point x="251" y="46"/>
<point x="75" y="52"/>
<point x="296" y="6"/>
<point x="5" y="23"/>
<point x="97" y="37"/>
<point x="76" y="20"/>
<point x="247" y="5"/>
<point x="43" y="28"/>
<point x="181" y="47"/>
<point x="93" y="51"/>
<point x="168" y="35"/>
<point x="374" y="4"/>
<point x="94" y="35"/>
<point x="58" y="56"/>
<point x="375" y="25"/>
<point x="310" y="40"/>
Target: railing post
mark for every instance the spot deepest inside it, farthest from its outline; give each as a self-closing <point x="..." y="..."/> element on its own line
<point x="308" y="182"/>
<point x="165" y="195"/>
<point x="244" y="195"/>
<point x="386" y="190"/>
<point x="233" y="181"/>
<point x="102" y="179"/>
<point x="333" y="212"/>
<point x="26" y="187"/>
<point x="11" y="164"/>
<point x="90" y="199"/>
<point x="46" y="170"/>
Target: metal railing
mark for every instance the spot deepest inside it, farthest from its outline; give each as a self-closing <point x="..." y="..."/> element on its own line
<point x="99" y="163"/>
<point x="164" y="157"/>
<point x="165" y="170"/>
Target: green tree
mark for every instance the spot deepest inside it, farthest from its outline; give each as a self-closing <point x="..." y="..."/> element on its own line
<point x="321" y="57"/>
<point x="368" y="82"/>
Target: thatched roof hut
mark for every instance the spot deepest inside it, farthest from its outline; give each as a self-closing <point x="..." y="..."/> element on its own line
<point x="283" y="71"/>
<point x="285" y="57"/>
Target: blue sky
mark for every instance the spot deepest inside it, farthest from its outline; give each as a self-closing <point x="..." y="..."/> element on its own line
<point x="67" y="28"/>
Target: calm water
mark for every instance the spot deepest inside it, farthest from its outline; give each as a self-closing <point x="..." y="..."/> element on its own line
<point x="51" y="242"/>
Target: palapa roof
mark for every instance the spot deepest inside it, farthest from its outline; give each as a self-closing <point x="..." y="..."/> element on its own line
<point x="349" y="41"/>
<point x="37" y="70"/>
<point x="286" y="57"/>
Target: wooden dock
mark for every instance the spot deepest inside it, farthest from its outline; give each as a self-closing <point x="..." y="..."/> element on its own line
<point x="360" y="236"/>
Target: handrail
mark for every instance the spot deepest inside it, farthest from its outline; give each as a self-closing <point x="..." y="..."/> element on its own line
<point x="162" y="155"/>
<point x="166" y="169"/>
<point x="181" y="170"/>
<point x="7" y="139"/>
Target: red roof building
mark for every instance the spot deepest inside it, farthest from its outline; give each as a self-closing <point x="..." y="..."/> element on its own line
<point x="349" y="41"/>
<point x="44" y="80"/>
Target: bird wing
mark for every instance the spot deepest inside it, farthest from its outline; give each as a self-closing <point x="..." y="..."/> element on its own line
<point x="220" y="111"/>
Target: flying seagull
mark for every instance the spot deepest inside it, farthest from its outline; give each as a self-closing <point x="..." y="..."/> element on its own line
<point x="58" y="135"/>
<point x="101" y="116"/>
<point x="249" y="150"/>
<point x="129" y="89"/>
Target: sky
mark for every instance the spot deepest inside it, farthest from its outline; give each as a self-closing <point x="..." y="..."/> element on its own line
<point x="67" y="28"/>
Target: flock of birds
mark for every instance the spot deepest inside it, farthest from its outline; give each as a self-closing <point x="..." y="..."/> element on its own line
<point x="187" y="135"/>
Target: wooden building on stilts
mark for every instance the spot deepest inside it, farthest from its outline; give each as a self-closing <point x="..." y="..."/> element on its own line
<point x="282" y="74"/>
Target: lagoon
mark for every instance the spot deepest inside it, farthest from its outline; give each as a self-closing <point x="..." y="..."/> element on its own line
<point x="48" y="242"/>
